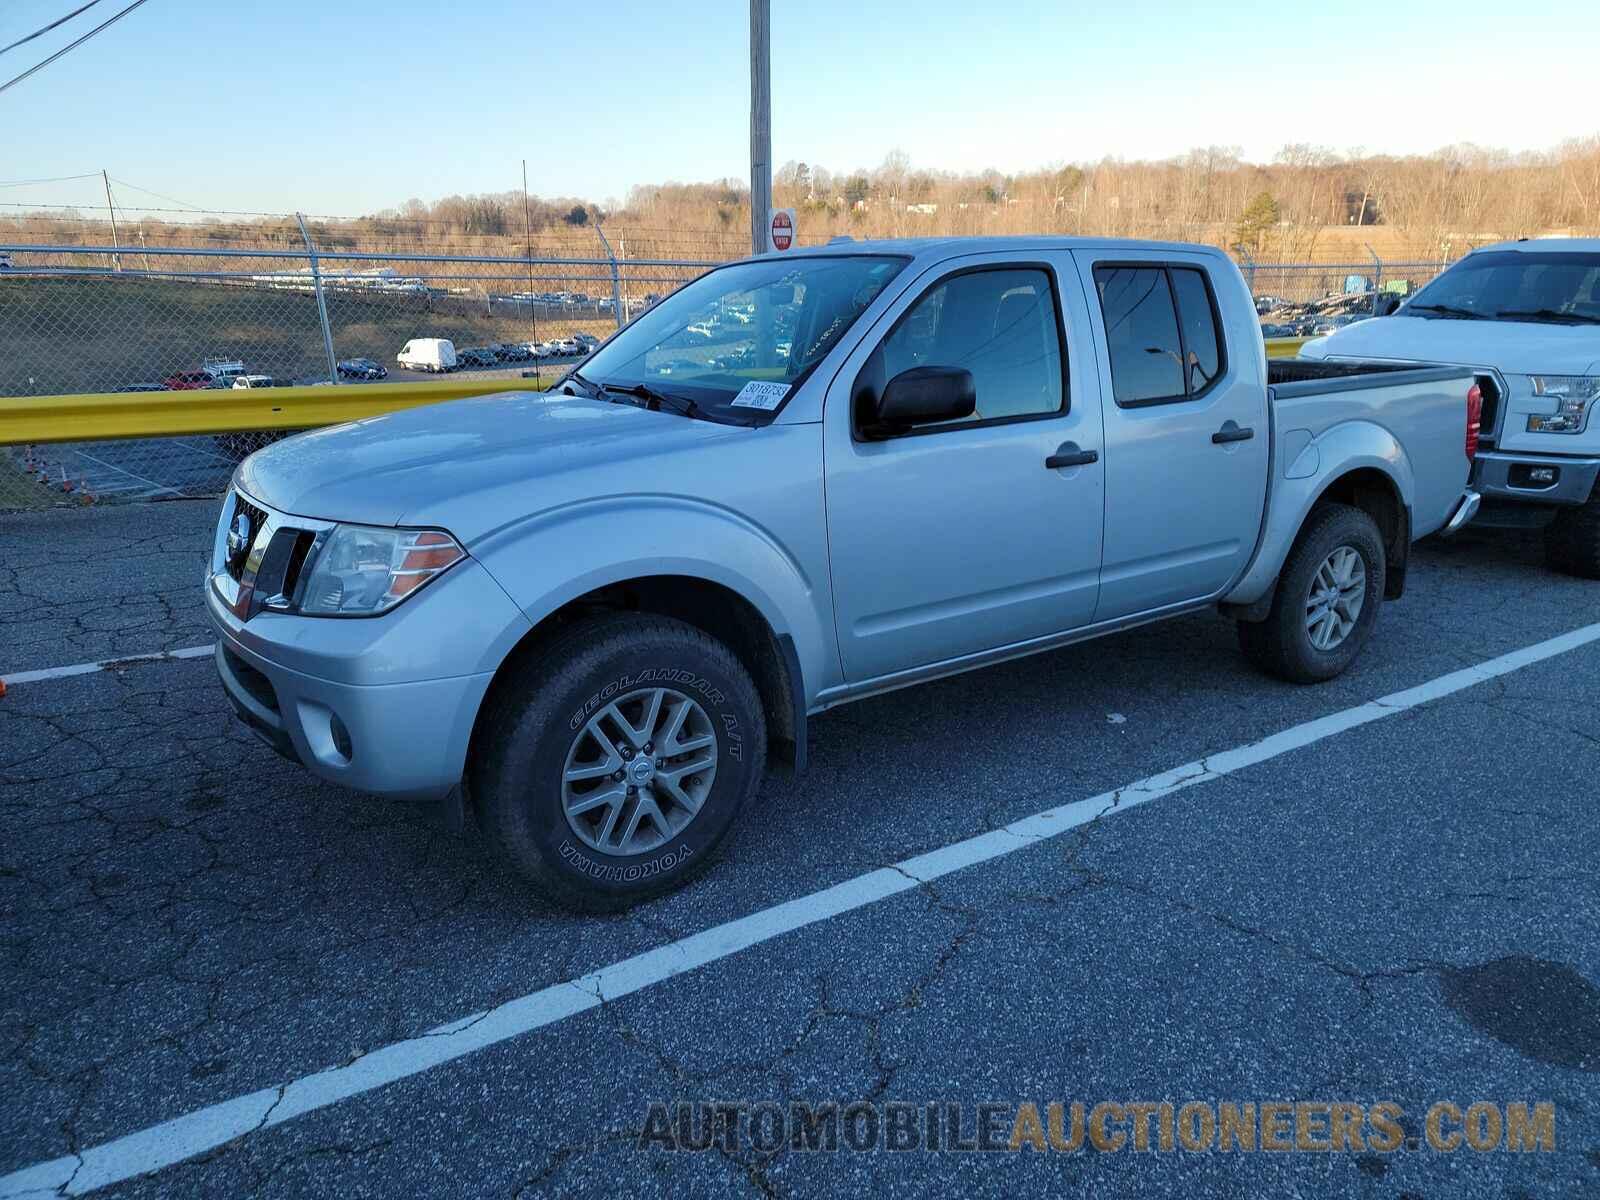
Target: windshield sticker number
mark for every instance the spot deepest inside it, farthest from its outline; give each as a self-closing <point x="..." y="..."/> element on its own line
<point x="765" y="396"/>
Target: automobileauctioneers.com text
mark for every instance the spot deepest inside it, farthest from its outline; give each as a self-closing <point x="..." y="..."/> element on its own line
<point x="1108" y="1126"/>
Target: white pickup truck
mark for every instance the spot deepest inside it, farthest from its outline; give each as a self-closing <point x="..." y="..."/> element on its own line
<point x="1527" y="316"/>
<point x="598" y="607"/>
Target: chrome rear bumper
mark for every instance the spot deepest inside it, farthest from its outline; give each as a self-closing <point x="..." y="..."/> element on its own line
<point x="1466" y="509"/>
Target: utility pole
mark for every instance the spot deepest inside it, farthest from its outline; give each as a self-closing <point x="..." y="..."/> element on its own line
<point x="760" y="124"/>
<point x="116" y="259"/>
<point x="527" y="233"/>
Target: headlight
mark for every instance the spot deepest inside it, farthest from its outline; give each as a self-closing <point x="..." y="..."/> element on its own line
<point x="1574" y="396"/>
<point x="360" y="571"/>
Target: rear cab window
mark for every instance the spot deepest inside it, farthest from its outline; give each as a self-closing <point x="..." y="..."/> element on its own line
<point x="1162" y="331"/>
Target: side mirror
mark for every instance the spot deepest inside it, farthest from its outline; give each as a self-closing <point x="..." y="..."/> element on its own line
<point x="1386" y="305"/>
<point x="921" y="396"/>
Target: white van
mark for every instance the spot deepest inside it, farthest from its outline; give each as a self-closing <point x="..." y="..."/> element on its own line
<point x="428" y="354"/>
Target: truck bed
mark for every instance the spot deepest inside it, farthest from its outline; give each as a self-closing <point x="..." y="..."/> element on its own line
<point x="1283" y="372"/>
<point x="1423" y="408"/>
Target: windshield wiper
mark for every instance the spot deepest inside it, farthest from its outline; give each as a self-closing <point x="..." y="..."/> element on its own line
<point x="653" y="399"/>
<point x="1553" y="315"/>
<point x="590" y="386"/>
<point x="1445" y="310"/>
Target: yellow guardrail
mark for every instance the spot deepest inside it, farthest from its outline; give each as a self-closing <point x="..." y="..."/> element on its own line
<point x="26" y="420"/>
<point x="97" y="416"/>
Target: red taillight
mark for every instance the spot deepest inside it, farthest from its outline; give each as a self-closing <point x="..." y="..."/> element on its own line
<point x="1474" y="419"/>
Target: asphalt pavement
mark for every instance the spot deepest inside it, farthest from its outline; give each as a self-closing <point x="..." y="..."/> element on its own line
<point x="1395" y="904"/>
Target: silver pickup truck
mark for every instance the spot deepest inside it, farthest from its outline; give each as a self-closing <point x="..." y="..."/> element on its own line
<point x="800" y="480"/>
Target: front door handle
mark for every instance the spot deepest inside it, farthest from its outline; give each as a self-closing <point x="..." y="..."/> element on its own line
<point x="1231" y="431"/>
<point x="1068" y="455"/>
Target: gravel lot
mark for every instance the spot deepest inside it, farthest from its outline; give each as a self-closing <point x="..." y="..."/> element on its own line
<point x="1406" y="911"/>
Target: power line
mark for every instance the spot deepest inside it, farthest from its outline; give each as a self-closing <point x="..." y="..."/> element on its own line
<point x="170" y="199"/>
<point x="56" y="179"/>
<point x="52" y="25"/>
<point x="11" y="83"/>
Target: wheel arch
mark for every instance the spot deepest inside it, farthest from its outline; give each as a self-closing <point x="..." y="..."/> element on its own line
<point x="712" y="607"/>
<point x="1376" y="493"/>
<point x="1368" y="485"/>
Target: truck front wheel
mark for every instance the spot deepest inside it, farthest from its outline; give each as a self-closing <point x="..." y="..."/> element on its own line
<point x="1327" y="599"/>
<point x="1572" y="540"/>
<point x="612" y="761"/>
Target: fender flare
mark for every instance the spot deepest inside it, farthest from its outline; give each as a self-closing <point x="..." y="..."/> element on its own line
<point x="557" y="556"/>
<point x="1300" y="485"/>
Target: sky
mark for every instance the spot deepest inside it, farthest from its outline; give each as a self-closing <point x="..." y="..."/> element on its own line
<point x="344" y="107"/>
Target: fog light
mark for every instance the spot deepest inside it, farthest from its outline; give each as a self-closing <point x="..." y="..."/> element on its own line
<point x="1532" y="478"/>
<point x="341" y="737"/>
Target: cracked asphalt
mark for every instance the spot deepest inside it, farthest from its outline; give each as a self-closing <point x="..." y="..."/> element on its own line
<point x="1406" y="912"/>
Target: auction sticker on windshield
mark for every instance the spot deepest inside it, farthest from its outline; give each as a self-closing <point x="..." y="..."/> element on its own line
<point x="765" y="396"/>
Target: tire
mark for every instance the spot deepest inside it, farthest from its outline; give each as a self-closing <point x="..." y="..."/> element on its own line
<point x="1572" y="540"/>
<point x="537" y="732"/>
<point x="1285" y="644"/>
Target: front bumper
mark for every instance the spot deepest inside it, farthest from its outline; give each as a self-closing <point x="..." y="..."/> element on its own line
<point x="384" y="704"/>
<point x="1510" y="475"/>
<point x="405" y="740"/>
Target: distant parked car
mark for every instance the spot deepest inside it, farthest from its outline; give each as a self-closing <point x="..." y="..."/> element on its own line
<point x="254" y="381"/>
<point x="513" y="352"/>
<point x="475" y="356"/>
<point x="188" y="381"/>
<point x="569" y="345"/>
<point x="587" y="340"/>
<point x="361" y="368"/>
<point x="224" y="370"/>
<point x="428" y="354"/>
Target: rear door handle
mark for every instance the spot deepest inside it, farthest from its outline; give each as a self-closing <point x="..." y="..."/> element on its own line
<point x="1231" y="431"/>
<point x="1068" y="455"/>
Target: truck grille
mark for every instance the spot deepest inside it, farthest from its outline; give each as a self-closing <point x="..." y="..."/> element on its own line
<point x="265" y="567"/>
<point x="234" y="563"/>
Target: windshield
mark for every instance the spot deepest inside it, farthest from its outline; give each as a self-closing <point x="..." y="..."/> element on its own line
<point x="1514" y="285"/>
<point x="738" y="339"/>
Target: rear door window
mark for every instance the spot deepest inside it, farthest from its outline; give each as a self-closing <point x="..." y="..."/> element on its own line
<point x="1141" y="333"/>
<point x="1202" y="347"/>
<point x="1161" y="331"/>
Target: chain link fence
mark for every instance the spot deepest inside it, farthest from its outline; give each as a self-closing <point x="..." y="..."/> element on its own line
<point x="89" y="319"/>
<point x="107" y="318"/>
<point x="1306" y="299"/>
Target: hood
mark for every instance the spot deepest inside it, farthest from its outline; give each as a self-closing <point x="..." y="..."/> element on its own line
<point x="421" y="465"/>
<point x="1512" y="347"/>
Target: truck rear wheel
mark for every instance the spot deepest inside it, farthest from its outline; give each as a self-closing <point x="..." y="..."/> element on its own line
<point x="1327" y="599"/>
<point x="612" y="762"/>
<point x="1572" y="540"/>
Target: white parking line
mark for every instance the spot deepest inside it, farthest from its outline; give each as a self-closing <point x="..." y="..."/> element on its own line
<point x="207" y="1128"/>
<point x="108" y="664"/>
